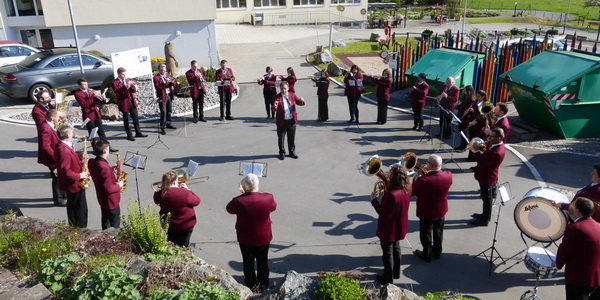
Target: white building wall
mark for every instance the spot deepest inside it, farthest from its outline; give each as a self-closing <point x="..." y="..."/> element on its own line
<point x="196" y="40"/>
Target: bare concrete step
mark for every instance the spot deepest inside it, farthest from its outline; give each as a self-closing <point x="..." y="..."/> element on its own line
<point x="13" y="289"/>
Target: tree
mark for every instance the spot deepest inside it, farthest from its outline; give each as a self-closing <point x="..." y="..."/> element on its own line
<point x="590" y="3"/>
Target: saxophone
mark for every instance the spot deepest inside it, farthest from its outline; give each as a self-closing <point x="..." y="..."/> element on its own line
<point x="84" y="183"/>
<point x="121" y="175"/>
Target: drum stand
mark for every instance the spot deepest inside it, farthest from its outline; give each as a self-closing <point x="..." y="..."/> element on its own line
<point x="532" y="294"/>
<point x="503" y="190"/>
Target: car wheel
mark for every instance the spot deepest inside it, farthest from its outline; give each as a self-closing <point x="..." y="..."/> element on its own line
<point x="36" y="88"/>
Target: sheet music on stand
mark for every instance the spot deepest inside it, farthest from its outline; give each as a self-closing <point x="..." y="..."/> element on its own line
<point x="252" y="167"/>
<point x="223" y="83"/>
<point x="135" y="160"/>
<point x="192" y="167"/>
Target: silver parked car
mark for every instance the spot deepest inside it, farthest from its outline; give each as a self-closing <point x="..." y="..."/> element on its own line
<point x="49" y="69"/>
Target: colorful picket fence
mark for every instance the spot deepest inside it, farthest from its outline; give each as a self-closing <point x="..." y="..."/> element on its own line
<point x="500" y="57"/>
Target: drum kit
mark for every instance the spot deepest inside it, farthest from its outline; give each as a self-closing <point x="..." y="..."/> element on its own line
<point x="538" y="218"/>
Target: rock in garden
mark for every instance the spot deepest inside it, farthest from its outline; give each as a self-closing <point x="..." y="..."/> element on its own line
<point x="110" y="112"/>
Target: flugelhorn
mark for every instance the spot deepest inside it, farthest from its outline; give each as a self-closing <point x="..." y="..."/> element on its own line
<point x="373" y="167"/>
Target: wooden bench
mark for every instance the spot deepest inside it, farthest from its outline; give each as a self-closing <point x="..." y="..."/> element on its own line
<point x="593" y="24"/>
<point x="385" y="42"/>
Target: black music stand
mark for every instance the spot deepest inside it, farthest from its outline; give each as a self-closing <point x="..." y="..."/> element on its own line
<point x="428" y="131"/>
<point x="136" y="161"/>
<point x="505" y="196"/>
<point x="158" y="139"/>
<point x="455" y="122"/>
<point x="253" y="167"/>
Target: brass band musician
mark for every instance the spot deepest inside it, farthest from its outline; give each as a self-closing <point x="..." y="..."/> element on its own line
<point x="108" y="189"/>
<point x="196" y="80"/>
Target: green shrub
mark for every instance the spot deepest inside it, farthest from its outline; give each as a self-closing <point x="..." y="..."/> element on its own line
<point x="193" y="291"/>
<point x="552" y="31"/>
<point x="144" y="228"/>
<point x="445" y="296"/>
<point x="426" y="34"/>
<point x="106" y="282"/>
<point x="335" y="286"/>
<point x="209" y="73"/>
<point x="56" y="273"/>
<point x="171" y="253"/>
<point x="10" y="239"/>
<point x="181" y="83"/>
<point x="9" y="216"/>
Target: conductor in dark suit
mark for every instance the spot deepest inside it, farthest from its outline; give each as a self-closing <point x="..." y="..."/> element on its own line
<point x="108" y="189"/>
<point x="580" y="253"/>
<point x="47" y="140"/>
<point x="486" y="173"/>
<point x="392" y="223"/>
<point x="163" y="84"/>
<point x="69" y="172"/>
<point x="124" y="89"/>
<point x="284" y="106"/>
<point x="253" y="228"/>
<point x="196" y="79"/>
<point x="431" y="190"/>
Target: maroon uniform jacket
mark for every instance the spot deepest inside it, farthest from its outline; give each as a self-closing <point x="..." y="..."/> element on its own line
<point x="579" y="252"/>
<point x="504" y="124"/>
<point x="488" y="163"/>
<point x="39" y="113"/>
<point x="162" y="87"/>
<point x="419" y="93"/>
<point x="476" y="130"/>
<point x="196" y="82"/>
<point x="464" y="105"/>
<point x="68" y="167"/>
<point x="590" y="191"/>
<point x="268" y="83"/>
<point x="88" y="104"/>
<point x="279" y="108"/>
<point x="108" y="191"/>
<point x="352" y="91"/>
<point x="452" y="93"/>
<point x="291" y="80"/>
<point x="124" y="94"/>
<point x="431" y="190"/>
<point x="180" y="203"/>
<point x="47" y="140"/>
<point x="220" y="76"/>
<point x="392" y="224"/>
<point x="253" y="225"/>
<point x="383" y="88"/>
<point x="322" y="87"/>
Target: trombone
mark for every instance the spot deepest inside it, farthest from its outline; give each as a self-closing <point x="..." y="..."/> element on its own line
<point x="183" y="177"/>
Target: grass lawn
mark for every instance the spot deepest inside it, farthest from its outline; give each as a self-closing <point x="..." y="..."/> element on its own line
<point x="525" y="19"/>
<point x="559" y="6"/>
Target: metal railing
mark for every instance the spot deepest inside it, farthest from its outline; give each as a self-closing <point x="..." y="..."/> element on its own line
<point x="308" y="18"/>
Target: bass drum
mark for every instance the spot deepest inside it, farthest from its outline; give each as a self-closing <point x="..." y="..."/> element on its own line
<point x="538" y="219"/>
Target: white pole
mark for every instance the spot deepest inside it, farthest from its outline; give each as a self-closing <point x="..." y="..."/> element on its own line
<point x="567" y="17"/>
<point x="462" y="30"/>
<point x="76" y="38"/>
<point x="330" y="38"/>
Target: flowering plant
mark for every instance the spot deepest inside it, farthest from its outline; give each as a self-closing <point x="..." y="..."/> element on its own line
<point x="157" y="59"/>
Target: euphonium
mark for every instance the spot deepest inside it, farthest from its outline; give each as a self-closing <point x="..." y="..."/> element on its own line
<point x="410" y="162"/>
<point x="121" y="175"/>
<point x="84" y="183"/>
<point x="373" y="167"/>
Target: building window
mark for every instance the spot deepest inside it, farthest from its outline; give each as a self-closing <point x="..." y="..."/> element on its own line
<point x="269" y="3"/>
<point x="20" y="8"/>
<point x="345" y="1"/>
<point x="308" y="2"/>
<point x="231" y="3"/>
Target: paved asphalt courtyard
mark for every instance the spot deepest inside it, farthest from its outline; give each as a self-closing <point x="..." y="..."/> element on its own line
<point x="324" y="219"/>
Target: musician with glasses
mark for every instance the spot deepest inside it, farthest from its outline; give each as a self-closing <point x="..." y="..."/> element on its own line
<point x="87" y="99"/>
<point x="124" y="89"/>
<point x="579" y="253"/>
<point x="164" y="84"/>
<point x="108" y="189"/>
<point x="489" y="158"/>
<point x="195" y="77"/>
<point x="177" y="199"/>
<point x="392" y="223"/>
<point x="253" y="228"/>
<point x="47" y="140"/>
<point x="224" y="75"/>
<point x="269" y="90"/>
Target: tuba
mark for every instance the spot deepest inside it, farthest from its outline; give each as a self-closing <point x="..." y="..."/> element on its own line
<point x="84" y="183"/>
<point x="373" y="167"/>
<point x="410" y="163"/>
<point x="121" y="175"/>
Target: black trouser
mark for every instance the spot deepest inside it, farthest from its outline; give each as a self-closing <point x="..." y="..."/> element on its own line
<point x="133" y="112"/>
<point x="353" y="107"/>
<point x="323" y="112"/>
<point x="249" y="255"/>
<point x="575" y="292"/>
<point x="418" y="115"/>
<point x="488" y="194"/>
<point x="225" y="102"/>
<point x="180" y="238"/>
<point x="431" y="234"/>
<point x="77" y="210"/>
<point x="58" y="196"/>
<point x="198" y="106"/>
<point x="268" y="95"/>
<point x="445" y="126"/>
<point x="96" y="123"/>
<point x="382" y="111"/>
<point x="391" y="260"/>
<point x="165" y="112"/>
<point x="110" y="218"/>
<point x="288" y="128"/>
